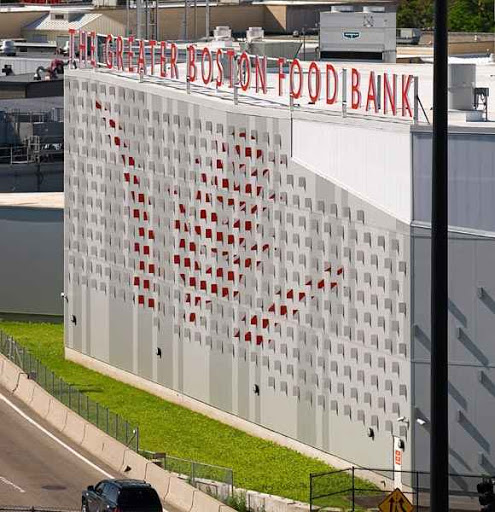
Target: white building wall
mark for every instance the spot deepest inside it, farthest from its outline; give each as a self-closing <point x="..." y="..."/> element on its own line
<point x="371" y="160"/>
<point x="328" y="271"/>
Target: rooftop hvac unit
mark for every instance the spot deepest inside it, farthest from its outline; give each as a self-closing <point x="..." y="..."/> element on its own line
<point x="462" y="81"/>
<point x="254" y="34"/>
<point x="369" y="34"/>
<point x="222" y="33"/>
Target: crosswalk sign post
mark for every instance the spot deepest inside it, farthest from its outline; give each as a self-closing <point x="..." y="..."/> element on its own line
<point x="396" y="502"/>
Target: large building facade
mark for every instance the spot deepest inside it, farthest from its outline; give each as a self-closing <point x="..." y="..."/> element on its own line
<point x="274" y="264"/>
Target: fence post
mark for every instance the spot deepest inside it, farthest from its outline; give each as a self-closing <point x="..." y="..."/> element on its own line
<point x="107" y="420"/>
<point x="353" y="490"/>
<point x="117" y="426"/>
<point x="310" y="492"/>
<point x="97" y="415"/>
<point x="192" y="474"/>
<point x="70" y="396"/>
<point x="416" y="100"/>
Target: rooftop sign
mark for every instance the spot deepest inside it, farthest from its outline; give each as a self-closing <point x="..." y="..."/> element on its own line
<point x="321" y="82"/>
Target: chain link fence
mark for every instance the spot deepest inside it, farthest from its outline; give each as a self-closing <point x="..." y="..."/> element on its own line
<point x="215" y="480"/>
<point x="99" y="415"/>
<point x="350" y="489"/>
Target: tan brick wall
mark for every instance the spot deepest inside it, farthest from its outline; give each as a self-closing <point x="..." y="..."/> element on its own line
<point x="275" y="19"/>
<point x="12" y="23"/>
<point x="238" y="17"/>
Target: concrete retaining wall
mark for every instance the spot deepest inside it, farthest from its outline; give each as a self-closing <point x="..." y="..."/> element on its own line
<point x="171" y="489"/>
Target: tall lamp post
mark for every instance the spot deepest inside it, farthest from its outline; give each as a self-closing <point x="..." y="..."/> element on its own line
<point x="439" y="452"/>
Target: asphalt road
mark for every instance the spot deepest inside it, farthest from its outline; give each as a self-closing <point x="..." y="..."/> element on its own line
<point x="35" y="470"/>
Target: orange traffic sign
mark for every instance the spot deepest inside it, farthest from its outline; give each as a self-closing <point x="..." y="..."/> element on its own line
<point x="396" y="502"/>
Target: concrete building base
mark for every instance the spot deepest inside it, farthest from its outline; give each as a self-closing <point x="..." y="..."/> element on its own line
<point x="212" y="412"/>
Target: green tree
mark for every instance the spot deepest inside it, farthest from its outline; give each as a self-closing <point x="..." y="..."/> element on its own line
<point x="415" y="13"/>
<point x="471" y="15"/>
<point x="464" y="15"/>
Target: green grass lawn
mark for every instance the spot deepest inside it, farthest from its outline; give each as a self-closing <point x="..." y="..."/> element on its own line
<point x="165" y="427"/>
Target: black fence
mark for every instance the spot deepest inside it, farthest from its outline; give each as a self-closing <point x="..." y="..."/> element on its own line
<point x="99" y="415"/>
<point x="216" y="480"/>
<point x="15" y="508"/>
<point x="358" y="489"/>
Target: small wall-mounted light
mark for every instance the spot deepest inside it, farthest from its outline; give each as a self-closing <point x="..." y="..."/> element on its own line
<point x="421" y="421"/>
<point x="256" y="389"/>
<point x="370" y="433"/>
<point x="159" y="352"/>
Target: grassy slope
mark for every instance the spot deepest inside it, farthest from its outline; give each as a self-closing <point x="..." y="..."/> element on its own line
<point x="257" y="464"/>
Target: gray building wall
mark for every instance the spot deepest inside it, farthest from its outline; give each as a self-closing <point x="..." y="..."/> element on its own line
<point x="43" y="177"/>
<point x="471" y="178"/>
<point x="315" y="311"/>
<point x="471" y="351"/>
<point x="471" y="308"/>
<point x="31" y="261"/>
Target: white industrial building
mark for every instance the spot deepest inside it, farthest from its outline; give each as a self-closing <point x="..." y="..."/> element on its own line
<point x="269" y="258"/>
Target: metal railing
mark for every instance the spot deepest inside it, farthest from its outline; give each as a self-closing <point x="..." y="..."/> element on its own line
<point x="216" y="480"/>
<point x="234" y="94"/>
<point x="34" y="149"/>
<point x="69" y="394"/>
<point x="351" y="489"/>
<point x="17" y="508"/>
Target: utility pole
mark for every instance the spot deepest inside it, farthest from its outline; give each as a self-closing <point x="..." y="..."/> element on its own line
<point x="439" y="449"/>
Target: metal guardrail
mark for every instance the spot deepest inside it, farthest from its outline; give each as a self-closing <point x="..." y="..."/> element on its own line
<point x="35" y="149"/>
<point x="350" y="489"/>
<point x="70" y="395"/>
<point x="216" y="480"/>
<point x="198" y="474"/>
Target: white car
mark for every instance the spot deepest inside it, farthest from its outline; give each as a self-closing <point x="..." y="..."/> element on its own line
<point x="8" y="48"/>
<point x="65" y="49"/>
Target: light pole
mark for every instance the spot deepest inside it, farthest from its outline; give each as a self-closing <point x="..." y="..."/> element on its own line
<point x="439" y="449"/>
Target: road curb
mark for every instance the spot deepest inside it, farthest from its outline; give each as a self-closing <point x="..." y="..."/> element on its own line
<point x="116" y="455"/>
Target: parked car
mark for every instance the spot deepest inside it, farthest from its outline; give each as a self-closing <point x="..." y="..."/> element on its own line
<point x="121" y="496"/>
<point x="66" y="48"/>
<point x="8" y="48"/>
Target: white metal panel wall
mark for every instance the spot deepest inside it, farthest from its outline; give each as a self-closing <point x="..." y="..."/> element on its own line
<point x="373" y="163"/>
<point x="471" y="179"/>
